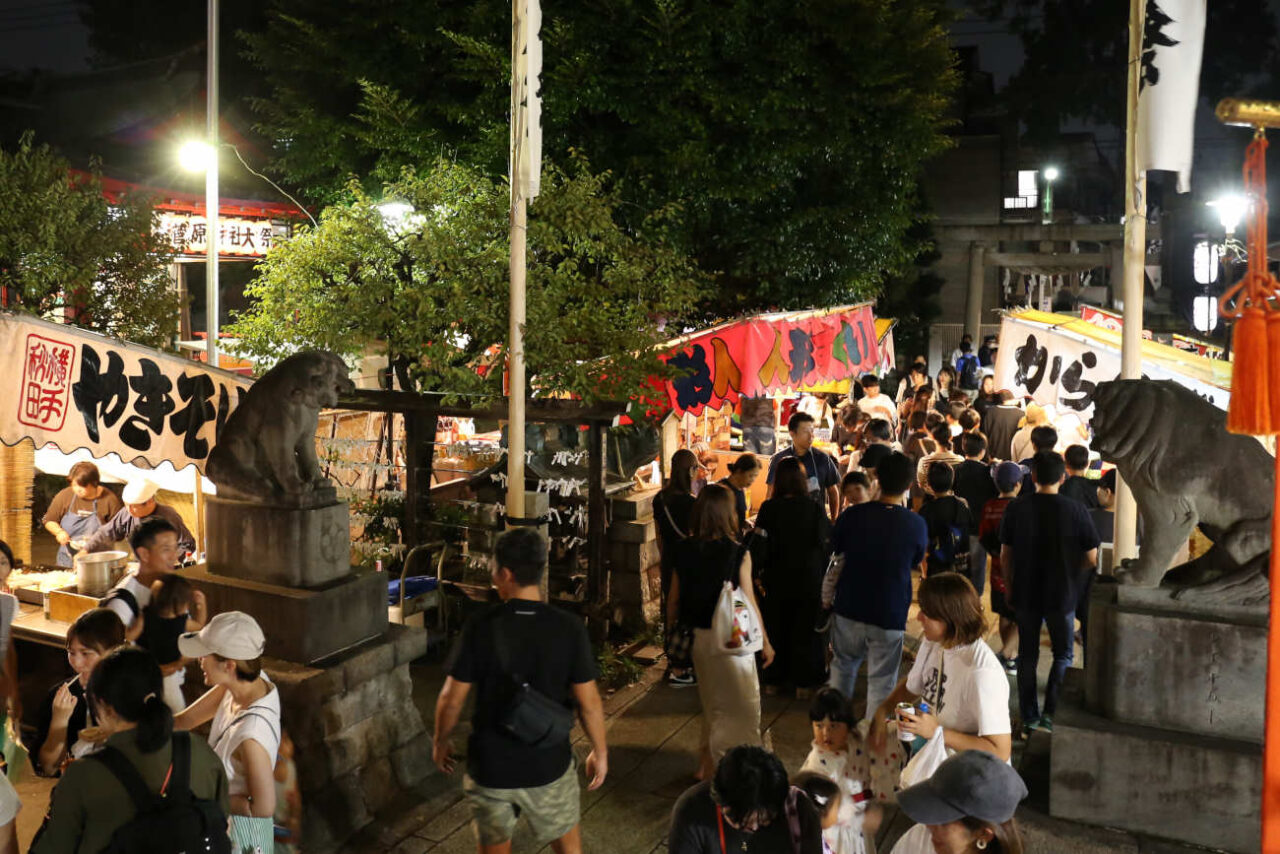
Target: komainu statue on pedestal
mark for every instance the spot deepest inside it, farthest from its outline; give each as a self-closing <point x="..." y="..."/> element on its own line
<point x="1173" y="450"/>
<point x="266" y="451"/>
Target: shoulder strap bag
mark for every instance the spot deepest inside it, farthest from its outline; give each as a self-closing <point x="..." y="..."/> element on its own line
<point x="531" y="717"/>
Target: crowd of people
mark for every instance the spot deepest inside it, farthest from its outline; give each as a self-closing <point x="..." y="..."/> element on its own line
<point x="953" y="482"/>
<point x="116" y="734"/>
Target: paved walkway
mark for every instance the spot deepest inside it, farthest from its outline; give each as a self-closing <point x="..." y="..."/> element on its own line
<point x="653" y="732"/>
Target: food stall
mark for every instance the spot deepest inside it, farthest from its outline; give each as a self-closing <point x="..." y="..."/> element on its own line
<point x="75" y="394"/>
<point x="780" y="355"/>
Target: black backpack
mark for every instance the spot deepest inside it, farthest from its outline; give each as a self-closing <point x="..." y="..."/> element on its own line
<point x="174" y="822"/>
<point x="970" y="372"/>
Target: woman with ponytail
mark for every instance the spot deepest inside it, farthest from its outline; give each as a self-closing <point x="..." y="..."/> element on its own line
<point x="90" y="804"/>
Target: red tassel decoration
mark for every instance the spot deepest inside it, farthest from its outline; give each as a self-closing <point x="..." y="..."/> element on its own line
<point x="1250" y="409"/>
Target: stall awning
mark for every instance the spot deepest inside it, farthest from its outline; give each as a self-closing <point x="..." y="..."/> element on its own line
<point x="1057" y="359"/>
<point x="765" y="353"/>
<point x="79" y="390"/>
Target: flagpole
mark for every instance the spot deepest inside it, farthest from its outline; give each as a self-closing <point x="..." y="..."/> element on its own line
<point x="1135" y="258"/>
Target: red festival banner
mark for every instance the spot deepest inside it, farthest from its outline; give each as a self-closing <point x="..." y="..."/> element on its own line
<point x="771" y="352"/>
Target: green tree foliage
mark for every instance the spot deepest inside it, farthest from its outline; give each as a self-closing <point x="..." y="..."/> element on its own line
<point x="791" y="134"/>
<point x="911" y="297"/>
<point x="429" y="289"/>
<point x="1077" y="53"/>
<point x="64" y="249"/>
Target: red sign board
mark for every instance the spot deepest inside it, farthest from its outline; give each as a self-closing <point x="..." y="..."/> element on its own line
<point x="46" y="382"/>
<point x="764" y="354"/>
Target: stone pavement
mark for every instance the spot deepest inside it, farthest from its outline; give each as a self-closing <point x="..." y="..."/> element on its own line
<point x="653" y="732"/>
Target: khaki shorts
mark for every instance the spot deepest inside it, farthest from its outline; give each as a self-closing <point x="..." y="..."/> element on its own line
<point x="552" y="810"/>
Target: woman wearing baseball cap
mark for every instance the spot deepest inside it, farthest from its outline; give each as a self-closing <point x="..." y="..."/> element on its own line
<point x="245" y="709"/>
<point x="966" y="807"/>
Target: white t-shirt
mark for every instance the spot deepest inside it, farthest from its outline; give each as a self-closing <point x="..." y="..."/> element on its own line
<point x="140" y="591"/>
<point x="966" y="687"/>
<point x="880" y="406"/>
<point x="258" y="722"/>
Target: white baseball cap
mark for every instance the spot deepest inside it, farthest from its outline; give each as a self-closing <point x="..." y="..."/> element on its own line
<point x="139" y="491"/>
<point x="233" y="634"/>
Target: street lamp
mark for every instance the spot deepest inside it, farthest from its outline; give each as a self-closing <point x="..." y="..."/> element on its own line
<point x="1231" y="209"/>
<point x="1050" y="175"/>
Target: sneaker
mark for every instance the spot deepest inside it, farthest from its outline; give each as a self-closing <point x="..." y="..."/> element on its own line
<point x="1010" y="665"/>
<point x="1045" y="724"/>
<point x="682" y="680"/>
<point x="822" y="622"/>
<point x="1029" y="727"/>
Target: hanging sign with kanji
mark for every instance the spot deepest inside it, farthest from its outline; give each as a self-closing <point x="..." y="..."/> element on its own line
<point x="188" y="234"/>
<point x="772" y="352"/>
<point x="76" y="389"/>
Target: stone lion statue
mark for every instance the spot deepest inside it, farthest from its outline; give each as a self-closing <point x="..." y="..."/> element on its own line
<point x="1173" y="450"/>
<point x="267" y="450"/>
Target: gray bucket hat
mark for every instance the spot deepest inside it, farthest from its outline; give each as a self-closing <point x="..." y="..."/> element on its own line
<point x="973" y="783"/>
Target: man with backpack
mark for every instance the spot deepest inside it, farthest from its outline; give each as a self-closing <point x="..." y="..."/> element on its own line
<point x="531" y="664"/>
<point x="968" y="370"/>
<point x="949" y="523"/>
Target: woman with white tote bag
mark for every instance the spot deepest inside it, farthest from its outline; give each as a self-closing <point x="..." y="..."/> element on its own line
<point x="711" y="566"/>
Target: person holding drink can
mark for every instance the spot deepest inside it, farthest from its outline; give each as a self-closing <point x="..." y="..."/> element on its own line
<point x="955" y="673"/>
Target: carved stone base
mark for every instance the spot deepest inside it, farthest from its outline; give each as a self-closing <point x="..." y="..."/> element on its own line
<point x="1160" y="662"/>
<point x="1190" y="788"/>
<point x="359" y="738"/>
<point x="289" y="546"/>
<point x="303" y="625"/>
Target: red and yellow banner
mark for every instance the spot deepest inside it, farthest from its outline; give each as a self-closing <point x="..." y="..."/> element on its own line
<point x="771" y="352"/>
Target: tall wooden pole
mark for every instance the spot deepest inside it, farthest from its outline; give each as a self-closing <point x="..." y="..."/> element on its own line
<point x="211" y="190"/>
<point x="515" y="332"/>
<point x="1135" y="259"/>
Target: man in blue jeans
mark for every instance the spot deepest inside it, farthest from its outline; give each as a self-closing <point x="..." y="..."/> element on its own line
<point x="880" y="542"/>
<point x="1048" y="548"/>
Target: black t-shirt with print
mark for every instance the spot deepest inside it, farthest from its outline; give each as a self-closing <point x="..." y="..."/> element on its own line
<point x="549" y="649"/>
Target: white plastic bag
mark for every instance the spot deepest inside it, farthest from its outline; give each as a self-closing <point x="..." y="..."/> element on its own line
<point x="925" y="762"/>
<point x="736" y="625"/>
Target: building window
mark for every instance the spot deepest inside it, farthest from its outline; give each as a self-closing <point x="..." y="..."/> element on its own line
<point x="1027" y="191"/>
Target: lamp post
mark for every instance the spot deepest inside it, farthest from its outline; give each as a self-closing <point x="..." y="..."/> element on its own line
<point x="1050" y="175"/>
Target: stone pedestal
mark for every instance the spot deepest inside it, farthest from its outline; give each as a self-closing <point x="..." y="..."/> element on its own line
<point x="358" y="736"/>
<point x="635" y="583"/>
<point x="289" y="546"/>
<point x="1163" y="734"/>
<point x="303" y="625"/>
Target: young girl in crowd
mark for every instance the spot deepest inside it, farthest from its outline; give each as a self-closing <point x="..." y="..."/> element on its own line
<point x="839" y="754"/>
<point x="164" y="620"/>
<point x="66" y="712"/>
<point x="825" y="794"/>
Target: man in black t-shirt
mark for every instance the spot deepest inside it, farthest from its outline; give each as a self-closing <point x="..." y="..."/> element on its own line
<point x="1077" y="487"/>
<point x="522" y="639"/>
<point x="1000" y="423"/>
<point x="974" y="484"/>
<point x="1048" y="551"/>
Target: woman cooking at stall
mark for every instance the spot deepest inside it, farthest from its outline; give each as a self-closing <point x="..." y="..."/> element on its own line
<point x="80" y="509"/>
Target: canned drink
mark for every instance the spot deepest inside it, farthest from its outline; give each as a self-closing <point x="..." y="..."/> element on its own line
<point x="377" y="565"/>
<point x="900" y="710"/>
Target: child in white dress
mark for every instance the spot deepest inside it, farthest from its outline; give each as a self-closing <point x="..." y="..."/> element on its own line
<point x="838" y="753"/>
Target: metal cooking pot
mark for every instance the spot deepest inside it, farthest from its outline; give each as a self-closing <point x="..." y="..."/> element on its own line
<point x="98" y="572"/>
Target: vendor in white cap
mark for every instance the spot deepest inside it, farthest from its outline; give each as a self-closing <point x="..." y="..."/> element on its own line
<point x="139" y="505"/>
<point x="245" y="708"/>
